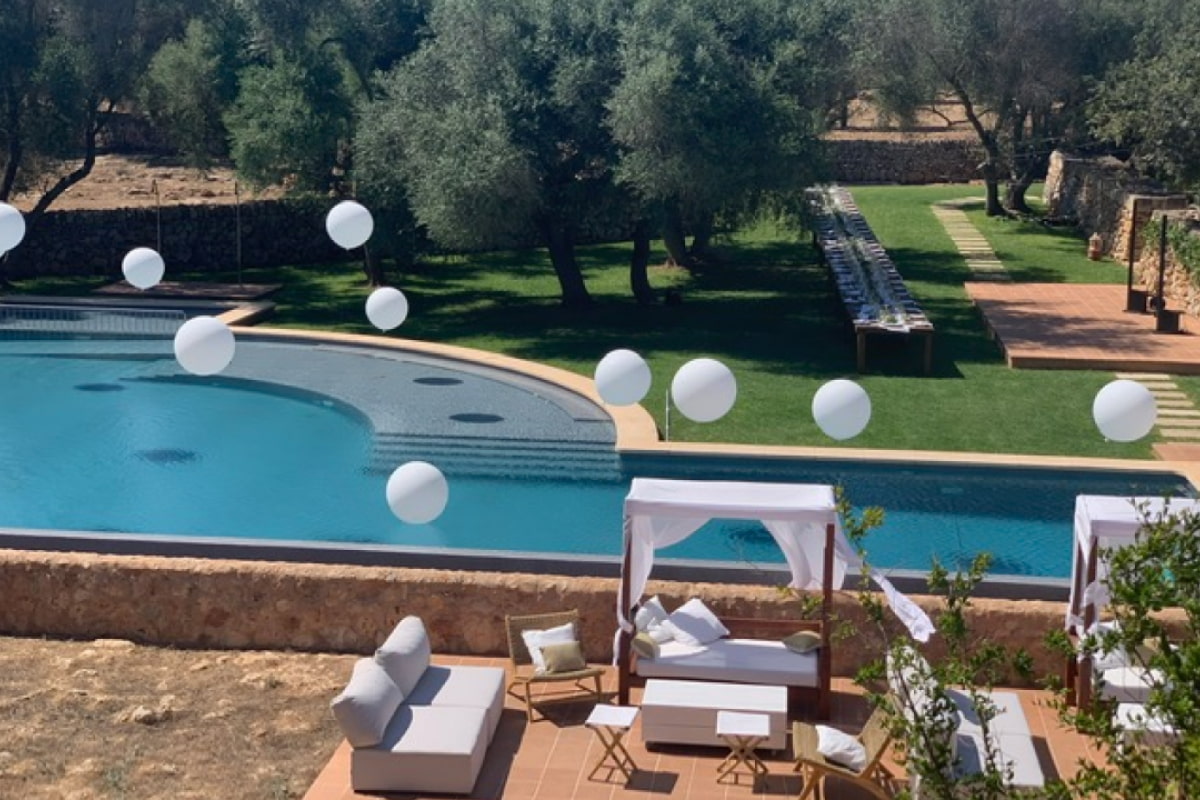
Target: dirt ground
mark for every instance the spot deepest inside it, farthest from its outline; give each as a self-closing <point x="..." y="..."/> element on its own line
<point x="133" y="181"/>
<point x="111" y="719"/>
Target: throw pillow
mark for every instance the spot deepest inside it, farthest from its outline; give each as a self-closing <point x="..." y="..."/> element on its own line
<point x="649" y="613"/>
<point x="841" y="748"/>
<point x="803" y="641"/>
<point x="563" y="657"/>
<point x="536" y="640"/>
<point x="645" y="646"/>
<point x="694" y="624"/>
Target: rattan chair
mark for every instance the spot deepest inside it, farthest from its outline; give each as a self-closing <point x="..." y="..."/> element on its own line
<point x="524" y="678"/>
<point x="814" y="767"/>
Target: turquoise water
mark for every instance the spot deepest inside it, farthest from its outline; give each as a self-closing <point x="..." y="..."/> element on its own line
<point x="98" y="443"/>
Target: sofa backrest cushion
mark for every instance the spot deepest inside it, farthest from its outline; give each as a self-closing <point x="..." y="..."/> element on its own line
<point x="404" y="655"/>
<point x="916" y="687"/>
<point x="367" y="704"/>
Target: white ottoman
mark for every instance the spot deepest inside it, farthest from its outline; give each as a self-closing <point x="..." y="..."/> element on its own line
<point x="685" y="712"/>
<point x="1142" y="727"/>
<point x="1127" y="684"/>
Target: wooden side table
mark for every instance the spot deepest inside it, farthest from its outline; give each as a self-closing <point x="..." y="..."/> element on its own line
<point x="743" y="733"/>
<point x="611" y="723"/>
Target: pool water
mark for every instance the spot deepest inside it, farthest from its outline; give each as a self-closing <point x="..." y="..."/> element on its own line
<point x="93" y="442"/>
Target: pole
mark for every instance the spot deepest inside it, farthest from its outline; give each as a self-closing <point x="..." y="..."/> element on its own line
<point x="1162" y="265"/>
<point x="237" y="222"/>
<point x="1131" y="299"/>
<point x="157" y="215"/>
<point x="667" y="413"/>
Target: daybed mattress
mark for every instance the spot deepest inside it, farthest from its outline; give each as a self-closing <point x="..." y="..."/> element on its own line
<point x="736" y="660"/>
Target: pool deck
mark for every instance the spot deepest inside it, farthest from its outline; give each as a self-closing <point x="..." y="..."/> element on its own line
<point x="550" y="760"/>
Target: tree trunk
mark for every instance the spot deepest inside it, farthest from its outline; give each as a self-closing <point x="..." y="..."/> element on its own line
<point x="15" y="150"/>
<point x="1014" y="193"/>
<point x="673" y="238"/>
<point x="990" y="168"/>
<point x="639" y="281"/>
<point x="702" y="238"/>
<point x="562" y="255"/>
<point x="373" y="267"/>
<point x="95" y="125"/>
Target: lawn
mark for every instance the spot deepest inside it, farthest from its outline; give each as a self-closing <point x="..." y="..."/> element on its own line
<point x="765" y="308"/>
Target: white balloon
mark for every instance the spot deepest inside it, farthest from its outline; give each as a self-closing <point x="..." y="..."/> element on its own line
<point x="143" y="267"/>
<point x="622" y="378"/>
<point x="204" y="345"/>
<point x="1124" y="411"/>
<point x="704" y="390"/>
<point x="12" y="228"/>
<point x="417" y="492"/>
<point x="349" y="224"/>
<point x="387" y="308"/>
<point x="841" y="409"/>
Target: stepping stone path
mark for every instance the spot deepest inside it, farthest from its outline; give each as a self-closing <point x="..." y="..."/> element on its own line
<point x="981" y="259"/>
<point x="1178" y="417"/>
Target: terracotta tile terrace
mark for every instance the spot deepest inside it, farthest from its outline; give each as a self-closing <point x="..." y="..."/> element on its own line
<point x="551" y="759"/>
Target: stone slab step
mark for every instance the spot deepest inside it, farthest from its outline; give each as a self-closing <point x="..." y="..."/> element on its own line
<point x="1179" y="412"/>
<point x="1179" y="433"/>
<point x="1176" y="422"/>
<point x="1166" y="394"/>
<point x="1172" y="403"/>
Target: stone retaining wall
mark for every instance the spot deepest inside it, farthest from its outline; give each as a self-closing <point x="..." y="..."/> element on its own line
<point x="915" y="160"/>
<point x="194" y="237"/>
<point x="249" y="605"/>
<point x="1179" y="283"/>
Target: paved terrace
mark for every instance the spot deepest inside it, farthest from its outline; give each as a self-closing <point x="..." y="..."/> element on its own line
<point x="550" y="760"/>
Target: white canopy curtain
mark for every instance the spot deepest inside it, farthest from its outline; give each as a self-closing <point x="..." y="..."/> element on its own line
<point x="1103" y="522"/>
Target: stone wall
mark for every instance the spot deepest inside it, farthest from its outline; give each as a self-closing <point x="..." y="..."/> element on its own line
<point x="1096" y="192"/>
<point x="915" y="160"/>
<point x="194" y="237"/>
<point x="248" y="605"/>
<point x="1179" y="285"/>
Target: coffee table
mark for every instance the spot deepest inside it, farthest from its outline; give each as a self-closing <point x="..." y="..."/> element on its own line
<point x="685" y="712"/>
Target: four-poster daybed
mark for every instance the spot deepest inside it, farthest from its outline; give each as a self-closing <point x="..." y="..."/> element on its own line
<point x="803" y="520"/>
<point x="1102" y="522"/>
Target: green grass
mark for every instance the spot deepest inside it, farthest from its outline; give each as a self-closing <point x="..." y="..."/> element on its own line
<point x="766" y="309"/>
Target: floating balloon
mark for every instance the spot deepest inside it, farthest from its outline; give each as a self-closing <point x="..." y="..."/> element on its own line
<point x="704" y="390"/>
<point x="143" y="267"/>
<point x="204" y="345"/>
<point x="622" y="378"/>
<point x="349" y="224"/>
<point x="1124" y="411"/>
<point x="387" y="308"/>
<point x="12" y="228"/>
<point x="417" y="492"/>
<point x="841" y="409"/>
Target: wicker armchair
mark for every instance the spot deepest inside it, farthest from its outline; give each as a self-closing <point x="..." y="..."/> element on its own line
<point x="524" y="678"/>
<point x="814" y="767"/>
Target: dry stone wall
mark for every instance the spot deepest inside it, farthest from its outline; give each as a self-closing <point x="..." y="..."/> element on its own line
<point x="249" y="605"/>
<point x="1179" y="283"/>
<point x="194" y="237"/>
<point x="915" y="160"/>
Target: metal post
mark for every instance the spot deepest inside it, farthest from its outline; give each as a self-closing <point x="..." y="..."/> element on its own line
<point x="237" y="221"/>
<point x="667" y="414"/>
<point x="1135" y="300"/>
<point x="157" y="215"/>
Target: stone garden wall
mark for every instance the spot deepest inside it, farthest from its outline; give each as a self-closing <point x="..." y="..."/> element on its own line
<point x="249" y="605"/>
<point x="1179" y="282"/>
<point x="1096" y="193"/>
<point x="194" y="237"/>
<point x="906" y="160"/>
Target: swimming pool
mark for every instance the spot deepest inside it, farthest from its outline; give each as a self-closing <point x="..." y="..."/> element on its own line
<point x="112" y="437"/>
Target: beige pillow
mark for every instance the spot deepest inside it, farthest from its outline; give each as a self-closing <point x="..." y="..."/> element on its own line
<point x="645" y="646"/>
<point x="803" y="641"/>
<point x="563" y="657"/>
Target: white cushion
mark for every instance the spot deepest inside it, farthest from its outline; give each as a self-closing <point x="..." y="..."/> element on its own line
<point x="693" y="623"/>
<point x="535" y="640"/>
<point x="841" y="748"/>
<point x="425" y="749"/>
<point x="405" y="654"/>
<point x="650" y="612"/>
<point x="1128" y="684"/>
<point x="462" y="686"/>
<point x="736" y="660"/>
<point x="367" y="704"/>
<point x="659" y="632"/>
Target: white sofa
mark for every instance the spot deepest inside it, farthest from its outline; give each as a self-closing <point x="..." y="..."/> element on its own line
<point x="952" y="713"/>
<point x="414" y="726"/>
